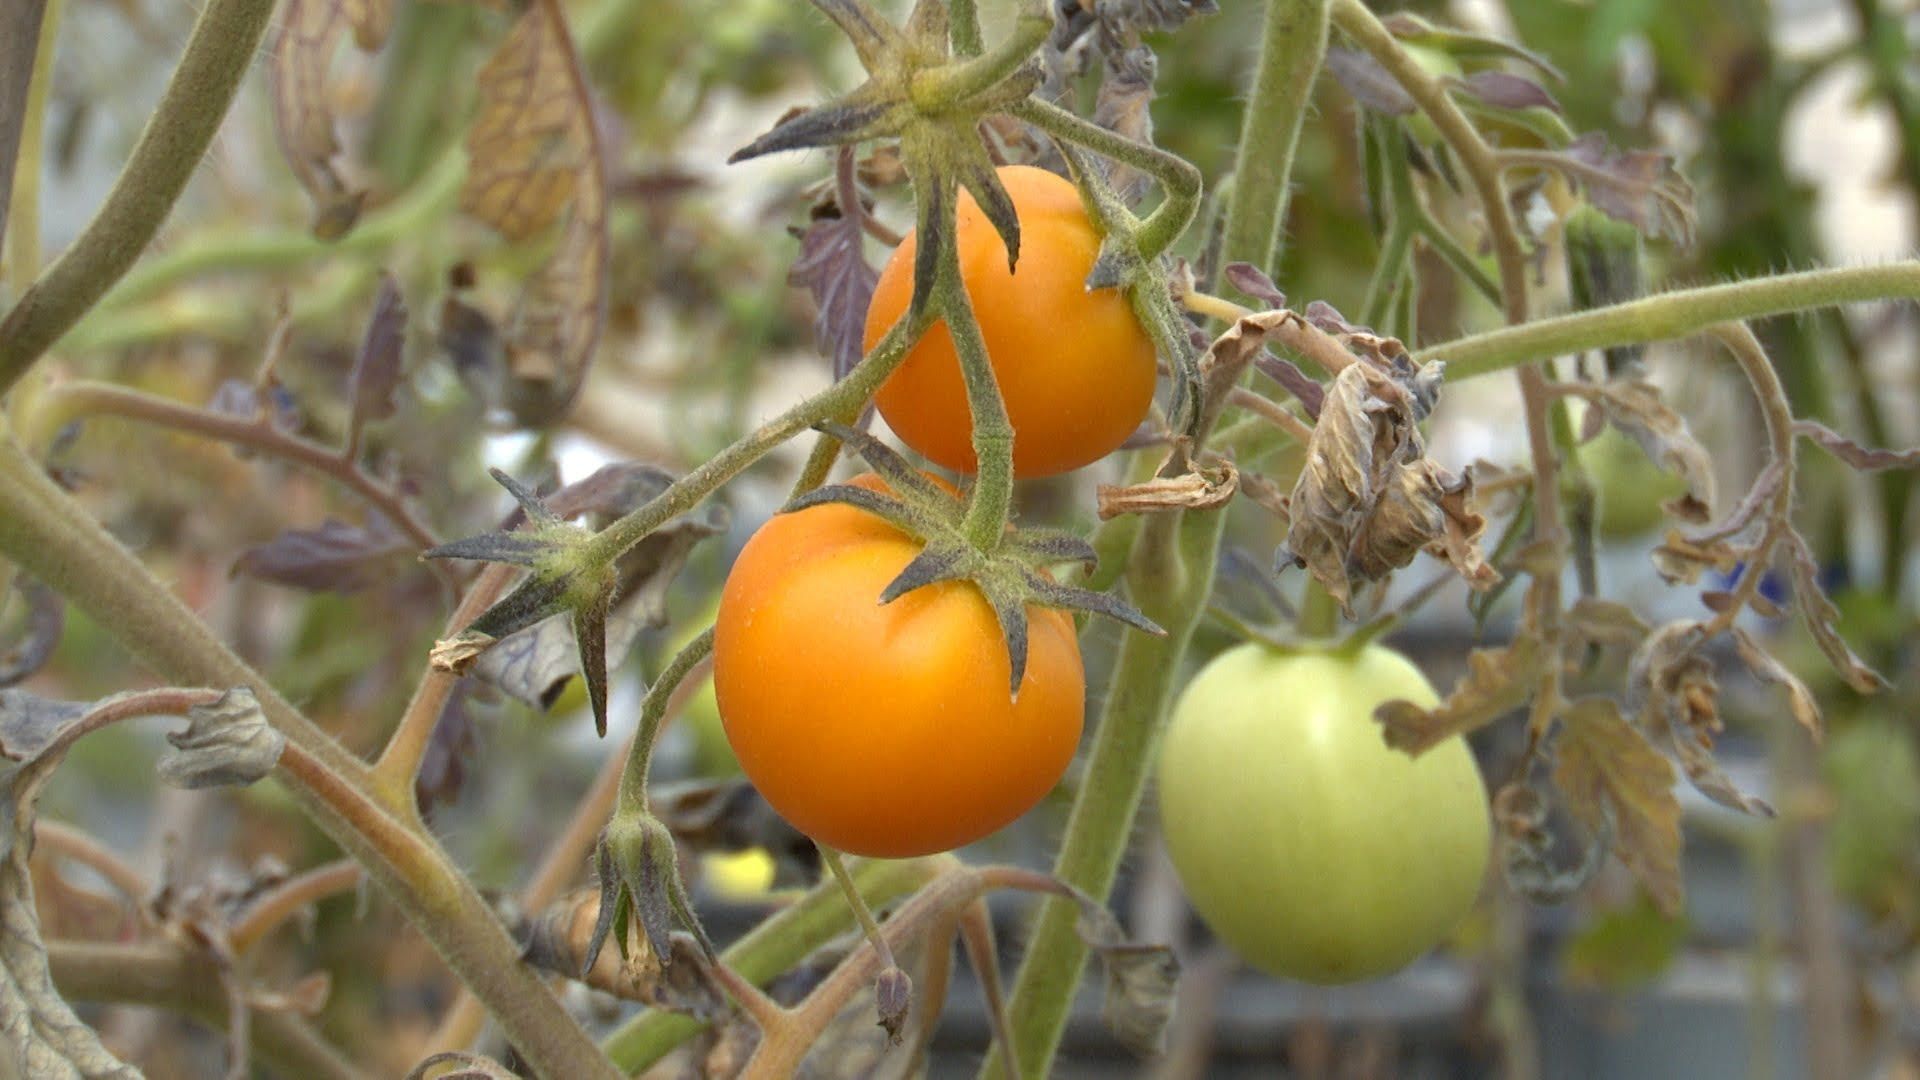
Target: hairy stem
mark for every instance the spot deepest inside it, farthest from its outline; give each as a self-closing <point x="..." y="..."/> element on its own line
<point x="1178" y="177"/>
<point x="54" y="539"/>
<point x="286" y="900"/>
<point x="194" y="103"/>
<point x="1170" y="574"/>
<point x="1676" y="314"/>
<point x="992" y="496"/>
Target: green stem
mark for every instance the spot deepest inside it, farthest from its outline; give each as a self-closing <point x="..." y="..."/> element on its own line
<point x="1386" y="272"/>
<point x="935" y="89"/>
<point x="53" y="538"/>
<point x="1179" y="178"/>
<point x="1170" y="576"/>
<point x="965" y="18"/>
<point x="1294" y="40"/>
<point x="1443" y="244"/>
<point x="992" y="496"/>
<point x="772" y="947"/>
<point x="183" y="124"/>
<point x="1673" y="315"/>
<point x="1404" y="215"/>
<point x="20" y="174"/>
<point x="633" y="782"/>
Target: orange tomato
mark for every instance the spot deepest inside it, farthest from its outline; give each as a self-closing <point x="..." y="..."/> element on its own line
<point x="884" y="730"/>
<point x="1075" y="368"/>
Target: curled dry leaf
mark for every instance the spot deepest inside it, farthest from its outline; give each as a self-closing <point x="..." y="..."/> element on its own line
<point x="46" y="1038"/>
<point x="1520" y="815"/>
<point x="1209" y="487"/>
<point x="1634" y="406"/>
<point x="536" y="157"/>
<point x="303" y="53"/>
<point x="461" y="1065"/>
<point x="1863" y="458"/>
<point x="1591" y="621"/>
<point x="1497" y="682"/>
<point x="1638" y="186"/>
<point x="1806" y="710"/>
<point x="1614" y="780"/>
<point x="1368" y="499"/>
<point x="1141" y="980"/>
<point x="1819" y="614"/>
<point x="376" y="367"/>
<point x="1672" y="692"/>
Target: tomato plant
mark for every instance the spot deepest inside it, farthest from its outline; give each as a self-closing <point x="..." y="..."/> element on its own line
<point x="1309" y="846"/>
<point x="884" y="729"/>
<point x="1074" y="365"/>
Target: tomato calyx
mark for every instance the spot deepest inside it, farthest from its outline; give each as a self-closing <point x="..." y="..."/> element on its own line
<point x="639" y="874"/>
<point x="934" y="103"/>
<point x="1009" y="577"/>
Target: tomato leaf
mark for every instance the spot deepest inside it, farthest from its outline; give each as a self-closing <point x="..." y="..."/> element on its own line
<point x="1861" y="458"/>
<point x="44" y="620"/>
<point x="303" y="52"/>
<point x="1800" y="700"/>
<point x="1527" y="846"/>
<point x="1819" y="614"/>
<point x="1367" y="81"/>
<point x="443" y="766"/>
<point x="336" y="557"/>
<point x="1624" y="948"/>
<point x="1641" y="187"/>
<point x="536" y="157"/>
<point x="1141" y="980"/>
<point x="1672" y="692"/>
<point x="557" y="940"/>
<point x="1634" y="407"/>
<point x="1497" y="682"/>
<point x="376" y="367"/>
<point x="1613" y="778"/>
<point x="833" y="268"/>
<point x="227" y="741"/>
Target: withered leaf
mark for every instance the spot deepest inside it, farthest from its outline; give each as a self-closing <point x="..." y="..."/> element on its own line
<point x="1637" y="186"/>
<point x="1819" y="614"/>
<point x="558" y="940"/>
<point x="833" y="268"/>
<point x="536" y="156"/>
<point x="1591" y="621"/>
<point x="1368" y="499"/>
<point x="1505" y="90"/>
<point x="1806" y="710"/>
<point x="1613" y="779"/>
<point x="46" y="1038"/>
<point x="1681" y="559"/>
<point x="1208" y="487"/>
<point x="1254" y="281"/>
<point x="1123" y="104"/>
<point x="1862" y="458"/>
<point x="376" y="368"/>
<point x="336" y="557"/>
<point x="1672" y="692"/>
<point x="303" y="53"/>
<point x="44" y="619"/>
<point x="1497" y="682"/>
<point x="443" y="767"/>
<point x="226" y="742"/>
<point x="1141" y="980"/>
<point x="1526" y="844"/>
<point x="1634" y="406"/>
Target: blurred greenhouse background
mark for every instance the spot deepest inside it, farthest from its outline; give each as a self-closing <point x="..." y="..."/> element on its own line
<point x="1798" y="122"/>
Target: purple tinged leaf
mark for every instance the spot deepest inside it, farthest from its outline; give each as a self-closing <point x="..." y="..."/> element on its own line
<point x="45" y="620"/>
<point x="1369" y="83"/>
<point x="1254" y="281"/>
<point x="833" y="268"/>
<point x="1504" y="90"/>
<point x="336" y="557"/>
<point x="1638" y="186"/>
<point x="443" y="767"/>
<point x="376" y="370"/>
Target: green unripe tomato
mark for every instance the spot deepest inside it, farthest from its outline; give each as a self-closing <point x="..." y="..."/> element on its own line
<point x="1310" y="847"/>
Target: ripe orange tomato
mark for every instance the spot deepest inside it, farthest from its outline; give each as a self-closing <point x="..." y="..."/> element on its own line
<point x="884" y="729"/>
<point x="1075" y="368"/>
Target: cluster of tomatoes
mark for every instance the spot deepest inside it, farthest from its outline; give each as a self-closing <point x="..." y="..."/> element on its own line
<point x="887" y="730"/>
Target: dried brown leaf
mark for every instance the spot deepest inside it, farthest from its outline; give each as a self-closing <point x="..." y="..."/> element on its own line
<point x="559" y="938"/>
<point x="303" y="53"/>
<point x="1634" y="406"/>
<point x="1591" y="621"/>
<point x="1208" y="487"/>
<point x="1673" y="695"/>
<point x="1638" y="186"/>
<point x="536" y="157"/>
<point x="1614" y="780"/>
<point x="1497" y="682"/>
<point x="1819" y="614"/>
<point x="1806" y="710"/>
<point x="1862" y="458"/>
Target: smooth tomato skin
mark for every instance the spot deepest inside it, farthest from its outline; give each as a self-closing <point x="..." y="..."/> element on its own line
<point x="1308" y="846"/>
<point x="884" y="730"/>
<point x="1075" y="368"/>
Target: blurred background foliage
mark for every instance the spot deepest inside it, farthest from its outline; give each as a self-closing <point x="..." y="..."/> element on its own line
<point x="1798" y="123"/>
